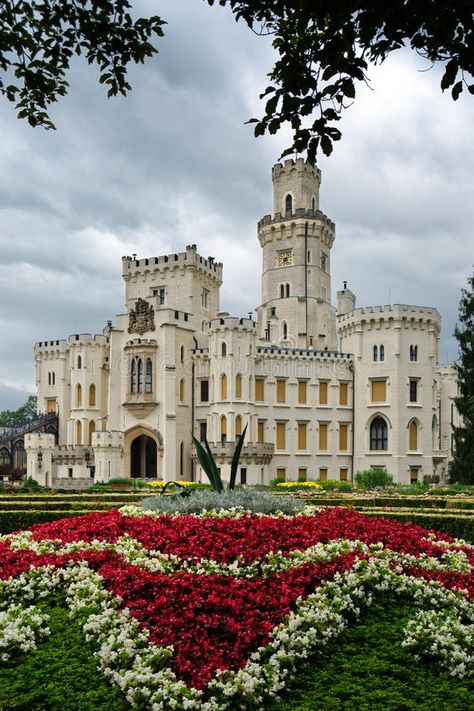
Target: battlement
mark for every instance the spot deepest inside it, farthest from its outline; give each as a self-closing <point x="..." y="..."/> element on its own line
<point x="291" y="166"/>
<point x="314" y="354"/>
<point x="398" y="312"/>
<point x="189" y="258"/>
<point x="298" y="214"/>
<point x="75" y="340"/>
<point x="225" y="322"/>
<point x="295" y="187"/>
<point x="39" y="440"/>
<point x="107" y="439"/>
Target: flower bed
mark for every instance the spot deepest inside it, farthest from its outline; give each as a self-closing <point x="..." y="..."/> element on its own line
<point x="215" y="612"/>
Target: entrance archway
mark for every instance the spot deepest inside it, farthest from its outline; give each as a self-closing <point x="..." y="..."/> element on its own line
<point x="143" y="457"/>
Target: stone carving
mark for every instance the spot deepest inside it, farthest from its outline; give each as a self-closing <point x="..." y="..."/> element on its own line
<point x="141" y="318"/>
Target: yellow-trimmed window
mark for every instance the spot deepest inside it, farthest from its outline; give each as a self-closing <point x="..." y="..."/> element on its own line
<point x="379" y="390"/>
<point x="51" y="405"/>
<point x="259" y="389"/>
<point x="238" y="426"/>
<point x="281" y="390"/>
<point x="181" y="390"/>
<point x="343" y="438"/>
<point x="92" y="395"/>
<point x="323" y="474"/>
<point x="343" y="393"/>
<point x="223" y="386"/>
<point x="302" y="392"/>
<point x="223" y="428"/>
<point x="78" y="395"/>
<point x="323" y="437"/>
<point x="302" y="435"/>
<point x="91" y="430"/>
<point x="281" y="435"/>
<point x="78" y="432"/>
<point x="260" y="431"/>
<point x="413" y="437"/>
<point x="343" y="474"/>
<point x="323" y="392"/>
<point x="302" y="474"/>
<point x="281" y="473"/>
<point x="413" y="475"/>
<point x="238" y="386"/>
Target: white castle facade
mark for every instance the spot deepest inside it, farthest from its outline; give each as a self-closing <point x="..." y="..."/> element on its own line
<point x="324" y="392"/>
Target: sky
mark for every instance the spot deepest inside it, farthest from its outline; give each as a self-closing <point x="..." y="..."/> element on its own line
<point x="174" y="163"/>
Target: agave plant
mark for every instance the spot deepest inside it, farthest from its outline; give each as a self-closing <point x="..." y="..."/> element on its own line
<point x="208" y="463"/>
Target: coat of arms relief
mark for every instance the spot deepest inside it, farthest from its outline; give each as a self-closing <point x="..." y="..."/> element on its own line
<point x="141" y="318"/>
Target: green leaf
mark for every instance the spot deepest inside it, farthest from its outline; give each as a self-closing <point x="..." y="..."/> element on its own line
<point x="215" y="471"/>
<point x="235" y="459"/>
<point x="205" y="463"/>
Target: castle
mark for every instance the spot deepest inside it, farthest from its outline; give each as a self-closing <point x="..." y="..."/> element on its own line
<point x="324" y="392"/>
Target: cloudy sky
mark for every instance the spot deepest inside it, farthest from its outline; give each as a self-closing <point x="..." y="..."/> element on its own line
<point x="174" y="163"/>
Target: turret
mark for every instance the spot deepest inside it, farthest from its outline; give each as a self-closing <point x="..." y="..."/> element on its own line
<point x="295" y="187"/>
<point x="346" y="300"/>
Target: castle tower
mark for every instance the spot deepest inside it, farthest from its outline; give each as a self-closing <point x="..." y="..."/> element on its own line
<point x="296" y="310"/>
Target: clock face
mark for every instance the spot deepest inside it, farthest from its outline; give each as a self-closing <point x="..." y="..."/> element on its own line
<point x="285" y="258"/>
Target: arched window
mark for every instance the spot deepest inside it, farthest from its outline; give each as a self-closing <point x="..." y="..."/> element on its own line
<point x="224" y="349"/>
<point x="78" y="395"/>
<point x="4" y="456"/>
<point x="288" y="203"/>
<point x="49" y="378"/>
<point x="78" y="432"/>
<point x="382" y="352"/>
<point x="79" y="362"/>
<point x="376" y="353"/>
<point x="313" y="204"/>
<point x="53" y="378"/>
<point x="181" y="460"/>
<point x="378" y="434"/>
<point x="133" y="376"/>
<point x="238" y="386"/>
<point x="284" y="330"/>
<point x="148" y="376"/>
<point x="413" y="353"/>
<point x="223" y="386"/>
<point x="91" y="430"/>
<point x="223" y="428"/>
<point x="181" y="354"/>
<point x="238" y="426"/>
<point x="91" y="395"/>
<point x="181" y="390"/>
<point x="287" y="290"/>
<point x="282" y="291"/>
<point x="139" y="375"/>
<point x="434" y="428"/>
<point x="413" y="436"/>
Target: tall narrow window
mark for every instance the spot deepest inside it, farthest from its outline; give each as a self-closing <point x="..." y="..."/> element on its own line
<point x="202" y="431"/>
<point x="375" y="353"/>
<point x="288" y="204"/>
<point x="281" y="474"/>
<point x="302" y="474"/>
<point x="413" y="353"/>
<point x="53" y="378"/>
<point x="382" y="352"/>
<point x="343" y="439"/>
<point x="148" y="376"/>
<point x="181" y="460"/>
<point x="223" y="428"/>
<point x="413" y="437"/>
<point x="238" y="386"/>
<point x="287" y="291"/>
<point x="49" y="378"/>
<point x="79" y="362"/>
<point x="133" y="376"/>
<point x="282" y="291"/>
<point x="414" y="475"/>
<point x="261" y="431"/>
<point x="78" y="432"/>
<point x="281" y="390"/>
<point x="413" y="390"/>
<point x="223" y="386"/>
<point x="91" y="430"/>
<point x="204" y="390"/>
<point x="378" y="434"/>
<point x="343" y="474"/>
<point x="224" y="349"/>
<point x="323" y="392"/>
<point x="323" y="474"/>
<point x="343" y="393"/>
<point x="140" y="375"/>
<point x="284" y="330"/>
<point x="323" y="437"/>
<point x="281" y="435"/>
<point x="181" y="354"/>
<point x="181" y="390"/>
<point x="259" y="389"/>
<point x="302" y="436"/>
<point x="92" y="395"/>
<point x="238" y="426"/>
<point x="78" y="395"/>
<point x="302" y="392"/>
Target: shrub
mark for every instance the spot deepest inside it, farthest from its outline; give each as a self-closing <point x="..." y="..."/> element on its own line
<point x="373" y="478"/>
<point x="253" y="501"/>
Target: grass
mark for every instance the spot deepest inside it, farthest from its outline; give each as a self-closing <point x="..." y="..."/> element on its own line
<point x="367" y="669"/>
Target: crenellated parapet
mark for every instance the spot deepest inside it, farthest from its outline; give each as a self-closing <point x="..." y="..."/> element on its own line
<point x="132" y="267"/>
<point x="393" y="315"/>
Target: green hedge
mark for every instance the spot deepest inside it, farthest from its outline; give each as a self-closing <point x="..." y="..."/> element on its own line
<point x="58" y="506"/>
<point x="456" y="526"/>
<point x="412" y="502"/>
<point x="18" y="520"/>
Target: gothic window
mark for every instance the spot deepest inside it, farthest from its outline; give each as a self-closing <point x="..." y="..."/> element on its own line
<point x="238" y="386"/>
<point x="288" y="203"/>
<point x="238" y="426"/>
<point x="202" y="431"/>
<point x="181" y="390"/>
<point x="413" y="436"/>
<point x="376" y="353"/>
<point x="139" y="375"/>
<point x="91" y="430"/>
<point x="79" y="362"/>
<point x="4" y="456"/>
<point x="224" y="349"/>
<point x="378" y="434"/>
<point x="204" y="298"/>
<point x="148" y="376"/>
<point x="181" y="354"/>
<point x="133" y="376"/>
<point x="78" y="432"/>
<point x="413" y="353"/>
<point x="204" y="390"/>
<point x="92" y="396"/>
<point x="223" y="428"/>
<point x="284" y="330"/>
<point x="287" y="290"/>
<point x="282" y="291"/>
<point x="323" y="293"/>
<point x="181" y="460"/>
<point x="413" y="390"/>
<point x="49" y="378"/>
<point x="161" y="296"/>
<point x="323" y="261"/>
<point x="53" y="377"/>
<point x="78" y="395"/>
<point x="382" y="352"/>
<point x="223" y="386"/>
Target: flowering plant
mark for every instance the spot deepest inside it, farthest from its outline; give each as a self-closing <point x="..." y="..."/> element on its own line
<point x="216" y="611"/>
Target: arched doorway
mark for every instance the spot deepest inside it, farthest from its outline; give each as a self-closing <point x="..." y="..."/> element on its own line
<point x="143" y="457"/>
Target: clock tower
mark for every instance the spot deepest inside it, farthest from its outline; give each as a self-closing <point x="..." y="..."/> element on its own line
<point x="296" y="310"/>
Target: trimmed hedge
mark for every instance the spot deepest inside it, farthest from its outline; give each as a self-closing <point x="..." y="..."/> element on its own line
<point x="456" y="526"/>
<point x="58" y="506"/>
<point x="11" y="521"/>
<point x="391" y="502"/>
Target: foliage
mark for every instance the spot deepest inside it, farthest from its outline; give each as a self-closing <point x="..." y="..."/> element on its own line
<point x="367" y="668"/>
<point x="17" y="520"/>
<point x="325" y="48"/>
<point x="462" y="466"/>
<point x="60" y="675"/>
<point x="248" y="499"/>
<point x="208" y="462"/>
<point x="453" y="525"/>
<point x="373" y="478"/>
<point x="27" y="412"/>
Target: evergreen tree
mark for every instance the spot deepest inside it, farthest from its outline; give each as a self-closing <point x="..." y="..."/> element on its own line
<point x="462" y="466"/>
